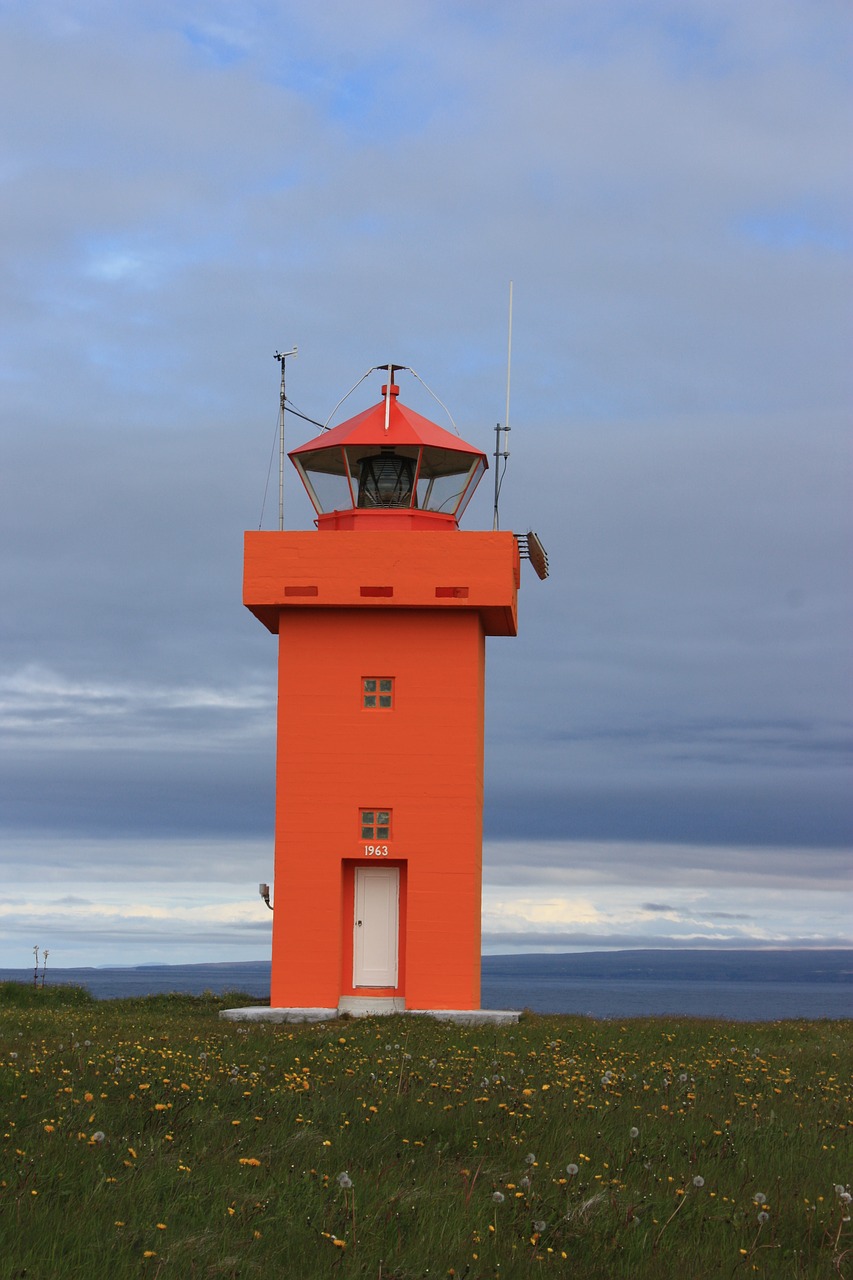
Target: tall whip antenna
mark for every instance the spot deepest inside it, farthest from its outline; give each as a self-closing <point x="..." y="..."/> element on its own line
<point x="281" y="357"/>
<point x="499" y="474"/>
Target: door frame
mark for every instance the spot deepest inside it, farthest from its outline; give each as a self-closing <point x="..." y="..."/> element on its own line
<point x="349" y="866"/>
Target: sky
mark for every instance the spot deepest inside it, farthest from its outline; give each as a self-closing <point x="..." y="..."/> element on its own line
<point x="189" y="187"/>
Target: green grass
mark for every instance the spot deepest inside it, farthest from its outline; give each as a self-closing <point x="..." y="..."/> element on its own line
<point x="149" y="1138"/>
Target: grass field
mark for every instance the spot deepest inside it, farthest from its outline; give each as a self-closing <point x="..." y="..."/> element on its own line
<point x="149" y="1138"/>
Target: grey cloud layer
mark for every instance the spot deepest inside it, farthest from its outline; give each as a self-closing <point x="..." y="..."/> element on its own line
<point x="187" y="188"/>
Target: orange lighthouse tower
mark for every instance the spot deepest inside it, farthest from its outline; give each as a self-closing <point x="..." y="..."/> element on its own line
<point x="381" y="615"/>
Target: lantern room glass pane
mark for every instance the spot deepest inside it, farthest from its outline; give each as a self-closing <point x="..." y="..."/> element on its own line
<point x="332" y="492"/>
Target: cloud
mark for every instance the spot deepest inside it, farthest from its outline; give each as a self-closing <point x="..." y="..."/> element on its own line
<point x="187" y="189"/>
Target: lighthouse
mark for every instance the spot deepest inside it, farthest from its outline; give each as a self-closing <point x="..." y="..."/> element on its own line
<point x="382" y="613"/>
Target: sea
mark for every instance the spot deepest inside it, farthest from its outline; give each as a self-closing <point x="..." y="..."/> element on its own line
<point x="749" y="986"/>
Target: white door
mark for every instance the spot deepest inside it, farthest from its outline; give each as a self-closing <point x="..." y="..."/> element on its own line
<point x="375" y="926"/>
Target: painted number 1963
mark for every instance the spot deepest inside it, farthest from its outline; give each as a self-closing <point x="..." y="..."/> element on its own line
<point x="376" y="851"/>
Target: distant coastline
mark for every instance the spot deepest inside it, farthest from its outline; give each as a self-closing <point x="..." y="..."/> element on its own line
<point x="635" y="965"/>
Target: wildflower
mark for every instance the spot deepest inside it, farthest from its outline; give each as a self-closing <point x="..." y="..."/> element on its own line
<point x="633" y="1132"/>
<point x="498" y="1197"/>
<point x="530" y="1158"/>
<point x="571" y="1170"/>
<point x="760" y="1197"/>
<point x="345" y="1181"/>
<point x="49" y="1128"/>
<point x="99" y="1136"/>
<point x="698" y="1181"/>
<point x="161" y="1226"/>
<point x="763" y="1217"/>
<point x="149" y="1253"/>
<point x="539" y="1225"/>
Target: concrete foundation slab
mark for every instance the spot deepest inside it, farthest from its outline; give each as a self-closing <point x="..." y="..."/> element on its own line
<point x="357" y="1007"/>
<point x="263" y="1013"/>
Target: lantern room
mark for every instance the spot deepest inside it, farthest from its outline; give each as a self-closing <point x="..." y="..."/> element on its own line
<point x="389" y="461"/>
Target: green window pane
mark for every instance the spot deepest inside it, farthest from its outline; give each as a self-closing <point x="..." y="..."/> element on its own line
<point x="384" y="699"/>
<point x="384" y="686"/>
<point x="367" y="815"/>
<point x="382" y="833"/>
<point x="370" y="699"/>
<point x="370" y="686"/>
<point x="384" y="815"/>
<point x="367" y="833"/>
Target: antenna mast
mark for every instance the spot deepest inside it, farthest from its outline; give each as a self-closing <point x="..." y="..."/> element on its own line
<point x="505" y="453"/>
<point x="281" y="356"/>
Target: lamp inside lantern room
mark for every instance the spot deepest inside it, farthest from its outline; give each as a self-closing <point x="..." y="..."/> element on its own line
<point x="386" y="480"/>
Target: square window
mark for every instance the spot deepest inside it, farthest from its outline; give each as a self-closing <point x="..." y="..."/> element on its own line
<point x="375" y="824"/>
<point x="377" y="693"/>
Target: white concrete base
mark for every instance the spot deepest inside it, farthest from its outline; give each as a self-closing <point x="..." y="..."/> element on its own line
<point x="368" y="1009"/>
<point x="263" y="1013"/>
<point x="371" y="1006"/>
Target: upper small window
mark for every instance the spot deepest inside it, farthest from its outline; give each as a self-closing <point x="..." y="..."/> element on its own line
<point x="377" y="693"/>
<point x="375" y="824"/>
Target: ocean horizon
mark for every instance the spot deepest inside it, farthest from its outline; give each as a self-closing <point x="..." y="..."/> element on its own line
<point x="743" y="985"/>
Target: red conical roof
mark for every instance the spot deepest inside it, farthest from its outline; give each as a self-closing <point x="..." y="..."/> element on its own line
<point x="405" y="427"/>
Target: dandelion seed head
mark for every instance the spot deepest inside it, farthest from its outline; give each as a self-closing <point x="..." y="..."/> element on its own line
<point x="530" y="1158"/>
<point x="345" y="1181"/>
<point x="571" y="1170"/>
<point x="498" y="1197"/>
<point x="763" y="1217"/>
<point x="99" y="1136"/>
<point x="539" y="1225"/>
<point x="698" y="1181"/>
<point x="760" y="1197"/>
<point x="634" y="1132"/>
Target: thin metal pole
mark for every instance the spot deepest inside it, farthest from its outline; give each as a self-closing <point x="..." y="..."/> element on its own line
<point x="498" y="453"/>
<point x="508" y="357"/>
<point x="281" y="357"/>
